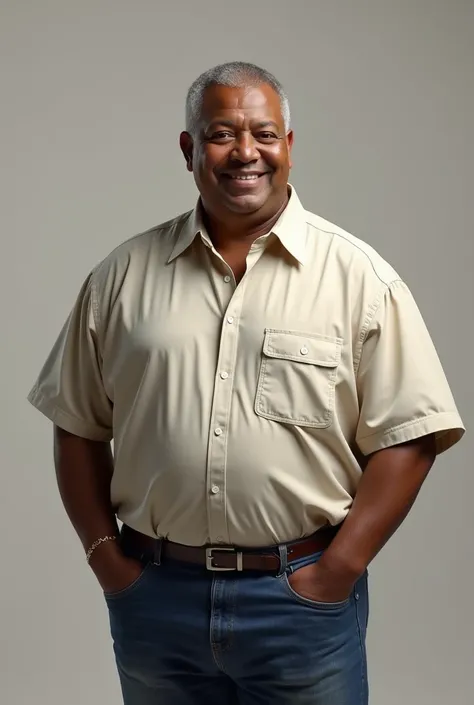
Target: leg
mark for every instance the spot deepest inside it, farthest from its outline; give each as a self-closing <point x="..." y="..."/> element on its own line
<point x="288" y="650"/>
<point x="160" y="628"/>
<point x="193" y="690"/>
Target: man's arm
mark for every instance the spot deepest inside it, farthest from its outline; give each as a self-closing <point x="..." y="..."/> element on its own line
<point x="389" y="486"/>
<point x="84" y="471"/>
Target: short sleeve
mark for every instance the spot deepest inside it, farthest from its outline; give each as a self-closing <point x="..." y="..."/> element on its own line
<point x="403" y="391"/>
<point x="70" y="390"/>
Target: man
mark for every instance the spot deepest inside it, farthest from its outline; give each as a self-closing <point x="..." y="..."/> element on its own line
<point x="275" y="402"/>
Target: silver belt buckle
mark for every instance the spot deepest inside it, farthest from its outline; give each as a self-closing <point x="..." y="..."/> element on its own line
<point x="224" y="549"/>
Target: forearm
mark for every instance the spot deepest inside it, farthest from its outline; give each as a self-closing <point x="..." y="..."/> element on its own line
<point x="389" y="486"/>
<point x="84" y="471"/>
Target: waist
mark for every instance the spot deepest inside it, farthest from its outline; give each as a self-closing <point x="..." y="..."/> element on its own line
<point x="226" y="558"/>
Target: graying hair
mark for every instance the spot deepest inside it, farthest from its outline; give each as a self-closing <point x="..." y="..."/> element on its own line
<point x="235" y="74"/>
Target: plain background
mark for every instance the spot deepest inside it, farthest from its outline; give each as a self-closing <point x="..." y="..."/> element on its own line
<point x="92" y="96"/>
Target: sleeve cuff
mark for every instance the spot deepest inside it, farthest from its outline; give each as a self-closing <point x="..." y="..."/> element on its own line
<point x="73" y="425"/>
<point x="447" y="427"/>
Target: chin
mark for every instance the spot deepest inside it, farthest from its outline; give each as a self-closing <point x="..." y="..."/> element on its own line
<point x="245" y="204"/>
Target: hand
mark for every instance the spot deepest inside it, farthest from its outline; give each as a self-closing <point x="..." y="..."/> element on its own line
<point x="115" y="571"/>
<point x="315" y="583"/>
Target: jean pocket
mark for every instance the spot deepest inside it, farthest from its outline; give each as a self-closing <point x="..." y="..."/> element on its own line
<point x="126" y="591"/>
<point x="308" y="602"/>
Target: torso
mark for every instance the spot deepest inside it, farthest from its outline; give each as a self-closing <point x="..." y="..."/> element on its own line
<point x="244" y="399"/>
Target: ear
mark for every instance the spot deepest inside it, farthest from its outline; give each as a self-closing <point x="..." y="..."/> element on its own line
<point x="289" y="142"/>
<point x="187" y="145"/>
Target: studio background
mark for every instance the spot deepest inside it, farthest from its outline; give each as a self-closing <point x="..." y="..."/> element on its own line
<point x="92" y="103"/>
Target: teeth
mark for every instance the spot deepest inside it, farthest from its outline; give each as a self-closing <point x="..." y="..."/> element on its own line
<point x="245" y="178"/>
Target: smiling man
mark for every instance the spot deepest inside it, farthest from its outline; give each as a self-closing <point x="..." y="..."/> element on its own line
<point x="275" y="402"/>
<point x="238" y="147"/>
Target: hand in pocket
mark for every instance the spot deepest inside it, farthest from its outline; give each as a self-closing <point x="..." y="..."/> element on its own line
<point x="315" y="584"/>
<point x="117" y="573"/>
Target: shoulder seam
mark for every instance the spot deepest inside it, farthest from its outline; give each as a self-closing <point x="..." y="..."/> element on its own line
<point x="156" y="228"/>
<point x="372" y="310"/>
<point x="346" y="239"/>
<point x="95" y="302"/>
<point x="177" y="220"/>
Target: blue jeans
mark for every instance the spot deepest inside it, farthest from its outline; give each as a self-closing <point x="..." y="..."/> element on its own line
<point x="186" y="636"/>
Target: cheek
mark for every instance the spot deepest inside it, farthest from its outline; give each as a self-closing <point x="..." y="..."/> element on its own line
<point x="278" y="159"/>
<point x="209" y="158"/>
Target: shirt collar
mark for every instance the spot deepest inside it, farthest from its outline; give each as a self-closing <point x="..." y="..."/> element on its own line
<point x="290" y="229"/>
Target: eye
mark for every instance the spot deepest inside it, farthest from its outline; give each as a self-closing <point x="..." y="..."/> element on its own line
<point x="221" y="136"/>
<point x="266" y="136"/>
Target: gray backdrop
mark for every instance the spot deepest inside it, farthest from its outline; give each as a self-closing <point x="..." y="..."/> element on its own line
<point x="92" y="98"/>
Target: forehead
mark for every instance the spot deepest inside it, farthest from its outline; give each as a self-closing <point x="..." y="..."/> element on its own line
<point x="240" y="104"/>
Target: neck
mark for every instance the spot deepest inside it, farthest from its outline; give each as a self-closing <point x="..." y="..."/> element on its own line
<point x="240" y="230"/>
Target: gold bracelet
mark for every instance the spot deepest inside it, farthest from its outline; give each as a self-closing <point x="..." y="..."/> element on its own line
<point x="104" y="539"/>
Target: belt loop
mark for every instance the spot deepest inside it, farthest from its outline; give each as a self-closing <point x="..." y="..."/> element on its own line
<point x="156" y="560"/>
<point x="283" y="553"/>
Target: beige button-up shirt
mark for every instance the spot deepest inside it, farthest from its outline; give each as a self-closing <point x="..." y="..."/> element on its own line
<point x="243" y="414"/>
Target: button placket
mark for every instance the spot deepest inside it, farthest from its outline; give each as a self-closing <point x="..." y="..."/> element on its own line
<point x="223" y="389"/>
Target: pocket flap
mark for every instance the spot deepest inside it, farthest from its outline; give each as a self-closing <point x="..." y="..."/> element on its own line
<point x="309" y="348"/>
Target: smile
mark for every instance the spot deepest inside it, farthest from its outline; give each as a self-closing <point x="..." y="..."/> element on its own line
<point x="236" y="184"/>
<point x="252" y="177"/>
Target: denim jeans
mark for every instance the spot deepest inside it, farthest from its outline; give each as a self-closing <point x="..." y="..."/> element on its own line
<point x="187" y="636"/>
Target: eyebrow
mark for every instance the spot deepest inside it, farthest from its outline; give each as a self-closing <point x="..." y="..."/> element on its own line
<point x="267" y="123"/>
<point x="229" y="123"/>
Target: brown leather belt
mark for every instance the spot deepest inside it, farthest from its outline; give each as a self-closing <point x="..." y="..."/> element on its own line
<point x="228" y="558"/>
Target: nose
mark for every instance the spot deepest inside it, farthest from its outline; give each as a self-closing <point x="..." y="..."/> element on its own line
<point x="245" y="148"/>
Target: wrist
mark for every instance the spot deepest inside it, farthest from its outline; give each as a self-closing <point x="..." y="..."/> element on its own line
<point x="105" y="557"/>
<point x="98" y="543"/>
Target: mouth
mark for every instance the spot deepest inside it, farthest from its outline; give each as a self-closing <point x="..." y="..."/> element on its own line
<point x="243" y="177"/>
<point x="243" y="180"/>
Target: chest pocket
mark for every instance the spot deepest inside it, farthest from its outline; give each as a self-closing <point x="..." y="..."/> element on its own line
<point x="297" y="378"/>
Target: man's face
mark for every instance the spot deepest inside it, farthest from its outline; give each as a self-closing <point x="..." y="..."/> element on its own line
<point x="240" y="154"/>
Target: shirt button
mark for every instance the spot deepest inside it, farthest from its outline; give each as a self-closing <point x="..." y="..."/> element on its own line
<point x="224" y="375"/>
<point x="215" y="489"/>
<point x="218" y="431"/>
<point x="304" y="350"/>
<point x="227" y="279"/>
<point x="230" y="319"/>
